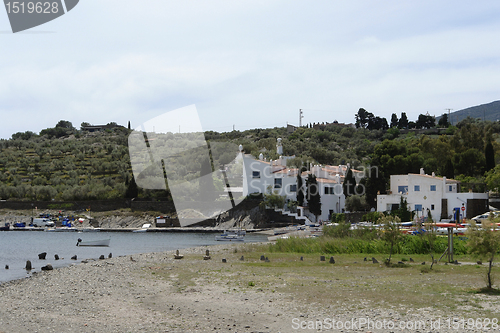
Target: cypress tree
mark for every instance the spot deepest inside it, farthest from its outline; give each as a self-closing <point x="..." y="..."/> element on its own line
<point x="313" y="196"/>
<point x="349" y="185"/>
<point x="449" y="170"/>
<point x="489" y="154"/>
<point x="132" y="189"/>
<point x="300" y="190"/>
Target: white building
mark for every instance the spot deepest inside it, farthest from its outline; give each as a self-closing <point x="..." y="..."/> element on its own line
<point x="438" y="195"/>
<point x="259" y="174"/>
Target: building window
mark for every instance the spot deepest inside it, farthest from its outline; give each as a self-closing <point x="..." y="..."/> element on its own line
<point x="450" y="188"/>
<point x="293" y="188"/>
<point x="329" y="190"/>
<point x="433" y="188"/>
<point x="403" y="189"/>
<point x="277" y="182"/>
<point x="417" y="188"/>
<point x="255" y="174"/>
<point x="418" y="208"/>
<point x="432" y="207"/>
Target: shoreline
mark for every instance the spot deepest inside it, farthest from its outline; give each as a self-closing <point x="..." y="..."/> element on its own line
<point x="115" y="295"/>
<point x="153" y="292"/>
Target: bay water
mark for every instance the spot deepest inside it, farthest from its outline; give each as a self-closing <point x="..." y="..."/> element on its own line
<point x="16" y="247"/>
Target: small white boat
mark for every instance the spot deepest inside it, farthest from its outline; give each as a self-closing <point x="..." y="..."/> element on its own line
<point x="232" y="236"/>
<point x="91" y="230"/>
<point x="62" y="229"/>
<point x="101" y="242"/>
<point x="144" y="228"/>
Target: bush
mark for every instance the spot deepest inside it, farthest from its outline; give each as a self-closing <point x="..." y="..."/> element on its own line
<point x="350" y="245"/>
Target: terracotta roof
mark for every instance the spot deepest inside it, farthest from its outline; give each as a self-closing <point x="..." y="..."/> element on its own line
<point x="324" y="180"/>
<point x="435" y="177"/>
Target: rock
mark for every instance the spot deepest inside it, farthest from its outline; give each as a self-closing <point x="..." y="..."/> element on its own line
<point x="400" y="263"/>
<point x="456" y="262"/>
<point x="47" y="267"/>
<point x="365" y="259"/>
<point x="332" y="261"/>
<point x="322" y="258"/>
<point x="28" y="265"/>
<point x="42" y="255"/>
<point x="301" y="258"/>
<point x="6" y="266"/>
<point x="262" y="258"/>
<point x="207" y="253"/>
<point x="423" y="263"/>
<point x="479" y="262"/>
<point x="267" y="260"/>
<point x="74" y="257"/>
<point x="411" y="260"/>
<point x="242" y="258"/>
<point x="375" y="261"/>
<point x="101" y="257"/>
<point x="177" y="255"/>
<point x="224" y="260"/>
<point x="110" y="255"/>
<point x="56" y="257"/>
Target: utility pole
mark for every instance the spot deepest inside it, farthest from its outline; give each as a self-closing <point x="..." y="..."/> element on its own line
<point x="449" y="117"/>
<point x="300" y="117"/>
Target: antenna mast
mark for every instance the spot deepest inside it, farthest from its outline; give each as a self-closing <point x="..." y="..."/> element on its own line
<point x="300" y="117"/>
<point x="449" y="118"/>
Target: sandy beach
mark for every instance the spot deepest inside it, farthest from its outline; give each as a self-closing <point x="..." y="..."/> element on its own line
<point x="157" y="293"/>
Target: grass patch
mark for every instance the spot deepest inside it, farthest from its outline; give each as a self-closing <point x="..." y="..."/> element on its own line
<point x="351" y="280"/>
<point x="487" y="291"/>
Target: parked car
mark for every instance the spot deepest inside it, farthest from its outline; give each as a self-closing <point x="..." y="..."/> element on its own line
<point x="43" y="222"/>
<point x="485" y="216"/>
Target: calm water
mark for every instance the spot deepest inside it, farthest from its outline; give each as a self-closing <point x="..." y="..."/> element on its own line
<point x="18" y="246"/>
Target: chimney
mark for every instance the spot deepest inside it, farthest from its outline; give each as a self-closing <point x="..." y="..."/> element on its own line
<point x="422" y="172"/>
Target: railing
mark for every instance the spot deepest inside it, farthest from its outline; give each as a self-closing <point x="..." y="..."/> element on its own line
<point x="306" y="220"/>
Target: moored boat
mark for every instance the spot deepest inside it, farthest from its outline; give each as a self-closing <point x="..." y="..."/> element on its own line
<point x="232" y="236"/>
<point x="101" y="242"/>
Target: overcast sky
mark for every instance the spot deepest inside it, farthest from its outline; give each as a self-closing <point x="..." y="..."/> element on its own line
<point x="251" y="64"/>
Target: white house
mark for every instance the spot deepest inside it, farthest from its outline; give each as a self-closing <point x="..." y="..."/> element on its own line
<point x="438" y="195"/>
<point x="259" y="174"/>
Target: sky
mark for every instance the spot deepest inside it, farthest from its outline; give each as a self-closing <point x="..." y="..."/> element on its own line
<point x="248" y="64"/>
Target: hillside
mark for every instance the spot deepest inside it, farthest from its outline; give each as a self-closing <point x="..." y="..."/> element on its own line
<point x="489" y="111"/>
<point x="67" y="164"/>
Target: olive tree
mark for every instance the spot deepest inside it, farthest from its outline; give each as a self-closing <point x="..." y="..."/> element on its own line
<point x="484" y="242"/>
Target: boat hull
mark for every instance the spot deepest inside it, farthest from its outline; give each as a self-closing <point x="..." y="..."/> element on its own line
<point x="101" y="242"/>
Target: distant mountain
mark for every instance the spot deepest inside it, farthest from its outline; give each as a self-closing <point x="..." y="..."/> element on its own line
<point x="490" y="111"/>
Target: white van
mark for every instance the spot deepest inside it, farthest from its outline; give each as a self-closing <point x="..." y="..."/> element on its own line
<point x="42" y="222"/>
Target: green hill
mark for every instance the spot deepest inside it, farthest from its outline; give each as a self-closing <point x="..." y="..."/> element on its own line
<point x="489" y="111"/>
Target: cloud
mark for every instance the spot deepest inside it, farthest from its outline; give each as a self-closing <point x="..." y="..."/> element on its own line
<point x="249" y="63"/>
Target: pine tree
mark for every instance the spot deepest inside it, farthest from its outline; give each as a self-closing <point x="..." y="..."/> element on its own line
<point x="403" y="121"/>
<point x="394" y="120"/>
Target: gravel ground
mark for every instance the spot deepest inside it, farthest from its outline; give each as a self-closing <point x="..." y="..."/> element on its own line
<point x="124" y="295"/>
